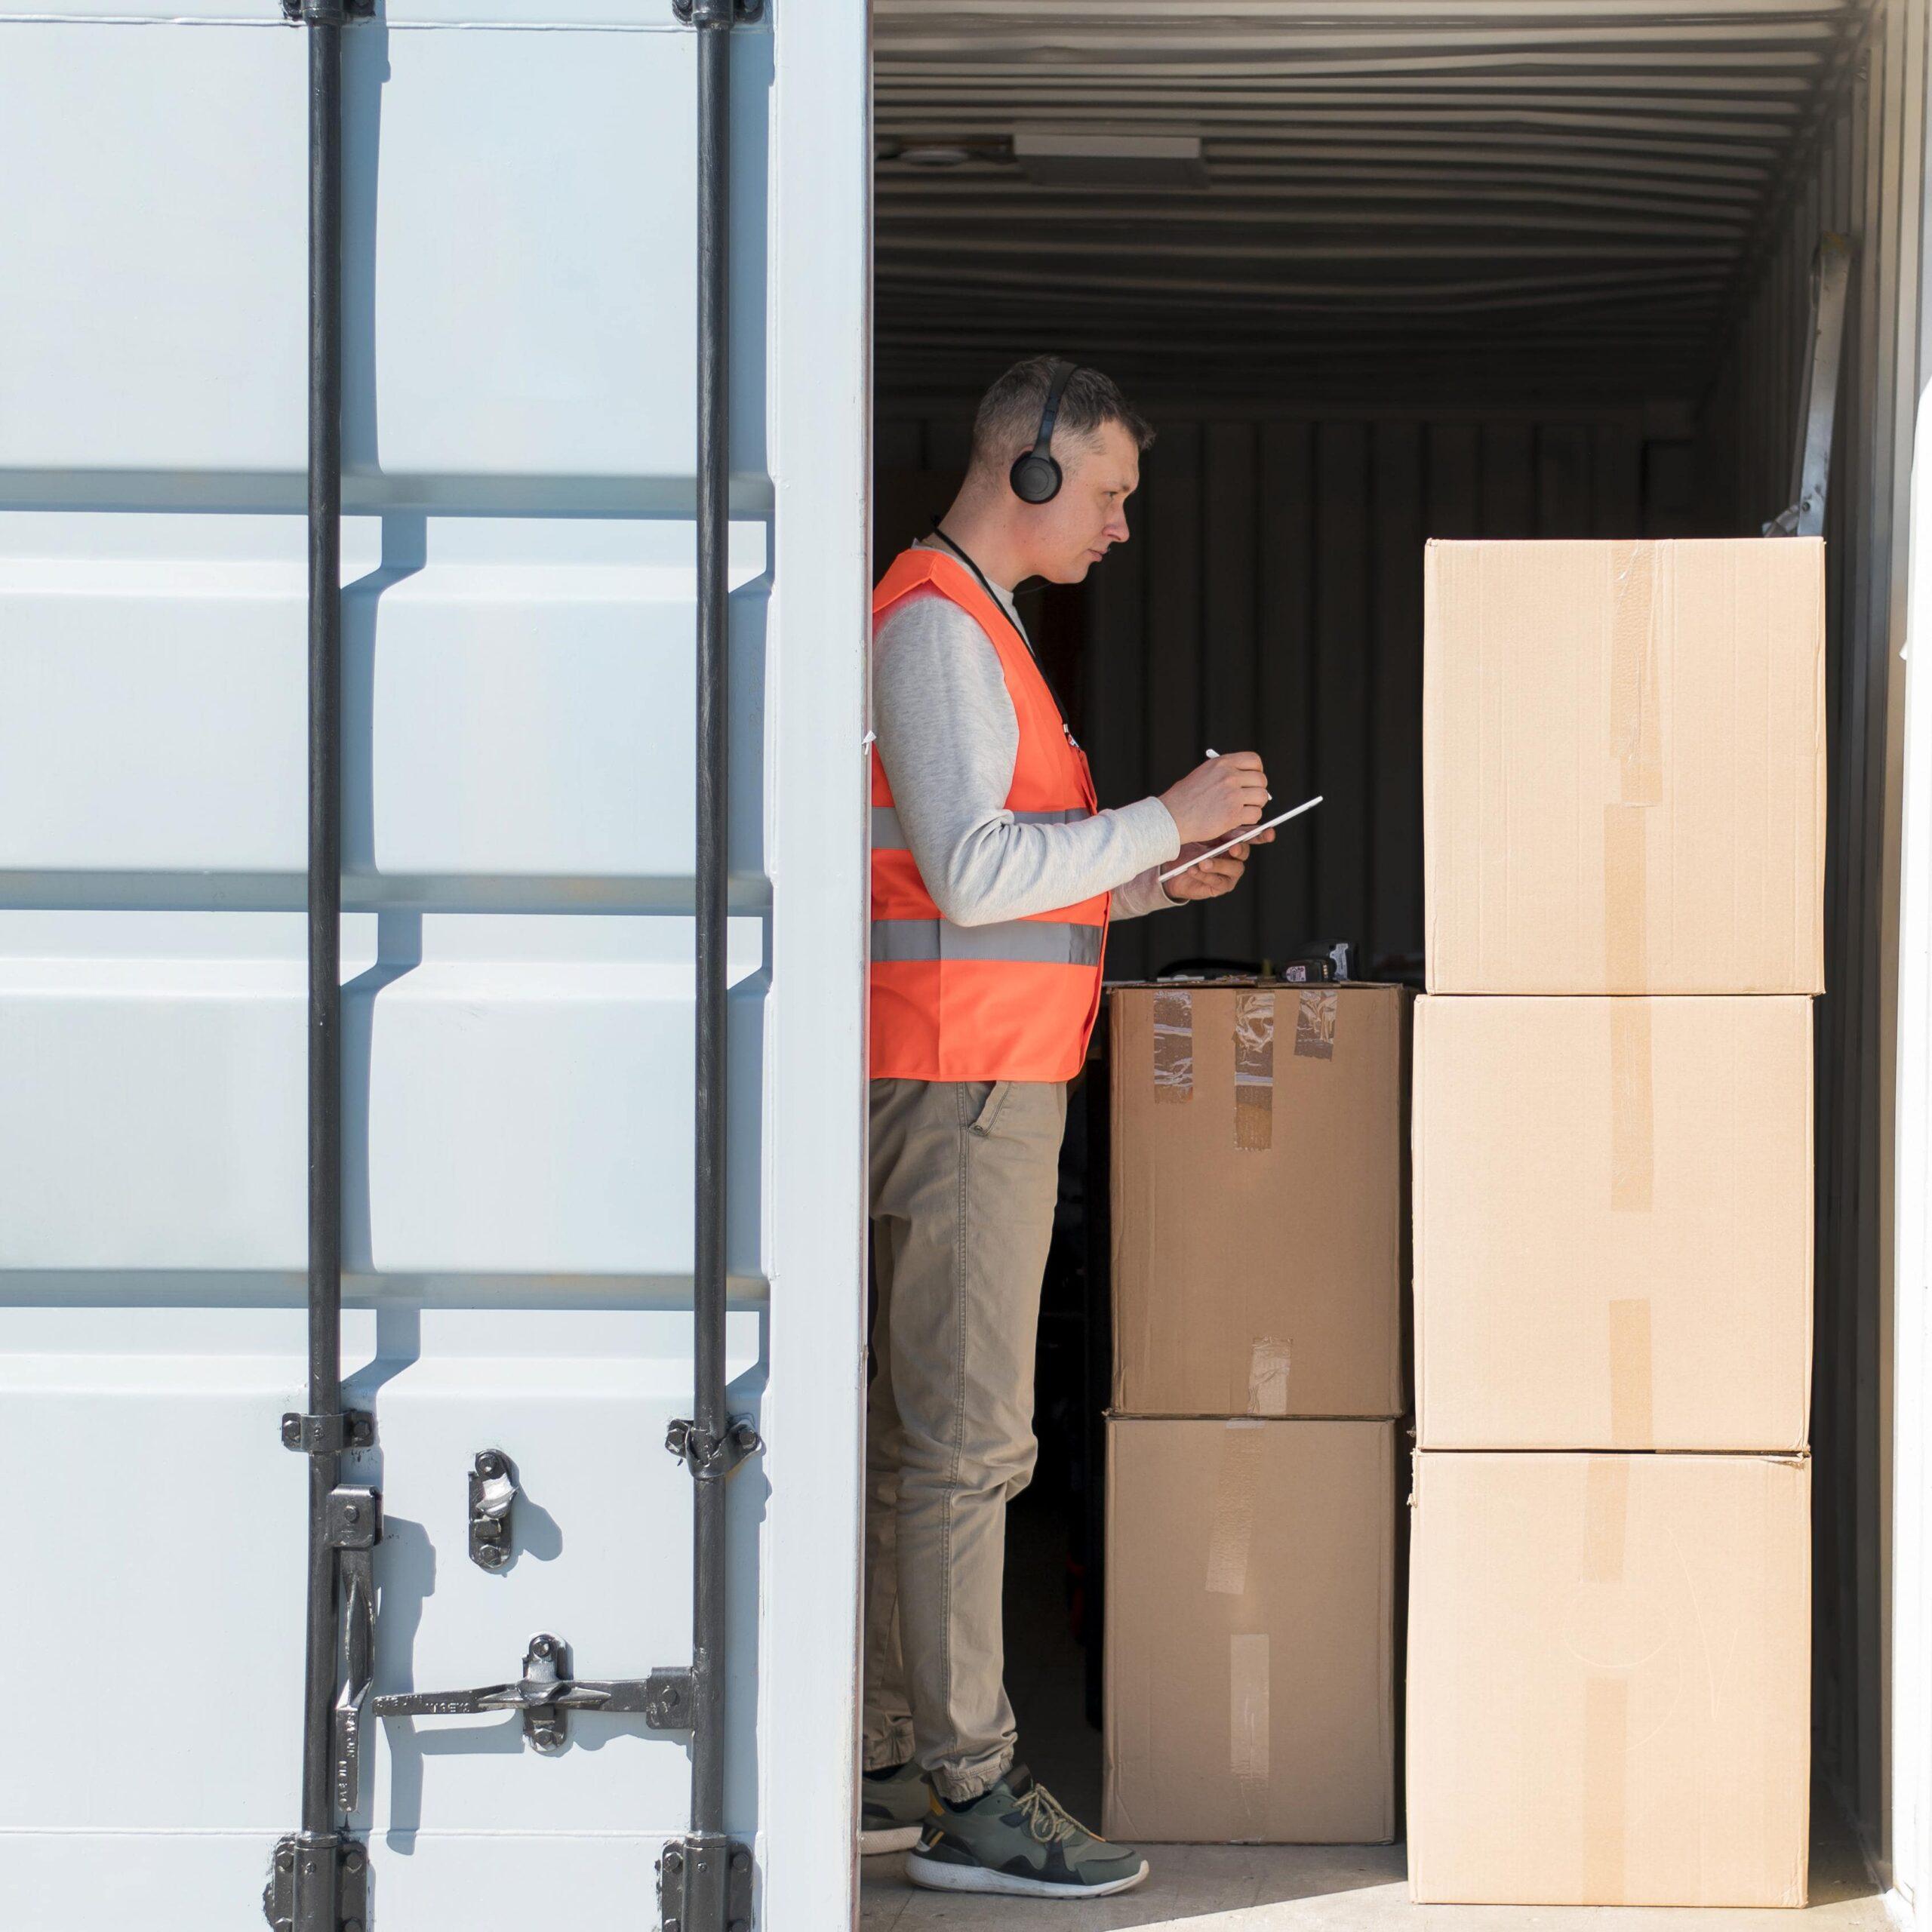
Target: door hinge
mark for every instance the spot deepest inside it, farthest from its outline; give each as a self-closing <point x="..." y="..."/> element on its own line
<point x="547" y="1693"/>
<point x="704" y="1885"/>
<point x="704" y="1455"/>
<point x="317" y="1884"/>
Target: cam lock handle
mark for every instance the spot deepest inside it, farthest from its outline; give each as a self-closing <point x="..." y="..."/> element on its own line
<point x="546" y="1693"/>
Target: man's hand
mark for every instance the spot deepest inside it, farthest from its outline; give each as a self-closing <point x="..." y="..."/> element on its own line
<point x="1217" y="798"/>
<point x="1212" y="877"/>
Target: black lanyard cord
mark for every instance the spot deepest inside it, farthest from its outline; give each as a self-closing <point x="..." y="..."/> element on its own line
<point x="998" y="604"/>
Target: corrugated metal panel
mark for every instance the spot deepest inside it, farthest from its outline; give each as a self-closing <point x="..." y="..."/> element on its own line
<point x="1868" y="181"/>
<point x="518" y="794"/>
<point x="1398" y="189"/>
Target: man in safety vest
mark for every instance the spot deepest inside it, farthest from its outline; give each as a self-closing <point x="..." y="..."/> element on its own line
<point x="994" y="874"/>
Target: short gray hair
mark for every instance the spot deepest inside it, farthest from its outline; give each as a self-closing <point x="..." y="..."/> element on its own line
<point x="1007" y="420"/>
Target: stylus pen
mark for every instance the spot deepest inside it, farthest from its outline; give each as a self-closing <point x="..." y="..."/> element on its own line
<point x="1213" y="753"/>
<point x="1241" y="838"/>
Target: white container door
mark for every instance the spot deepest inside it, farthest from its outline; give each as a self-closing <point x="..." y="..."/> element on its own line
<point x="519" y="268"/>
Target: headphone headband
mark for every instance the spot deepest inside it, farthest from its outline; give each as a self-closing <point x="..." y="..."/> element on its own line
<point x="1035" y="476"/>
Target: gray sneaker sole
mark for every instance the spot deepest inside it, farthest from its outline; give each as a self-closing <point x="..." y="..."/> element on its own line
<point x="889" y="1837"/>
<point x="936" y="1874"/>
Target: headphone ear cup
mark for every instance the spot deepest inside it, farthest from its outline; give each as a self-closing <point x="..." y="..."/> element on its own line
<point x="1035" y="478"/>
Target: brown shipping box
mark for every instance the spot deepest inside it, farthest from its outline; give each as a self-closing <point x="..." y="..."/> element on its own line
<point x="1613" y="1223"/>
<point x="1259" y="1235"/>
<point x="1251" y="1667"/>
<point x="1623" y="766"/>
<point x="1610" y="1664"/>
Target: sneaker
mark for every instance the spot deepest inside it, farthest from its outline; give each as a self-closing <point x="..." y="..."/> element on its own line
<point x="893" y="1809"/>
<point x="1018" y="1840"/>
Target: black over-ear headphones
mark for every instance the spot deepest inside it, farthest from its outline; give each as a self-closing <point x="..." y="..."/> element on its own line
<point x="1035" y="475"/>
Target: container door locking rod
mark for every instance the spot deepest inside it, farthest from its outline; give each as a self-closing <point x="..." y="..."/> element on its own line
<point x="704" y="1879"/>
<point x="319" y="1877"/>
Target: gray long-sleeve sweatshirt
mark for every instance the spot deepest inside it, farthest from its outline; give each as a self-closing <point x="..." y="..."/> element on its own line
<point x="948" y="737"/>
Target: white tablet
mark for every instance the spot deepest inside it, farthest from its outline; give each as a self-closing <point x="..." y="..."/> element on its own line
<point x="1242" y="838"/>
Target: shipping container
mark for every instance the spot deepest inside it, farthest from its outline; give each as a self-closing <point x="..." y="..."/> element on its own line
<point x="646" y="337"/>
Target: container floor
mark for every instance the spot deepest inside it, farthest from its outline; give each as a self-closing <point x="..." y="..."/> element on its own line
<point x="1282" y="1888"/>
<point x="1258" y="1888"/>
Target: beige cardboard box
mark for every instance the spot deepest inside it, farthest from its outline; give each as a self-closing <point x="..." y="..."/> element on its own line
<point x="1613" y="1223"/>
<point x="1610" y="1664"/>
<point x="1258" y="1157"/>
<point x="1623" y="752"/>
<point x="1251" y="1632"/>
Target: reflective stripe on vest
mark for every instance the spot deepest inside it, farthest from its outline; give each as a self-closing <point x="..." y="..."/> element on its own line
<point x="1044" y="941"/>
<point x="1013" y="1000"/>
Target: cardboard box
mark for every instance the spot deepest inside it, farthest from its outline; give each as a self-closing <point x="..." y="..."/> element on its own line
<point x="1610" y="1664"/>
<point x="1624" y="753"/>
<point x="1613" y="1223"/>
<point x="1258" y="1157"/>
<point x="1251" y="1632"/>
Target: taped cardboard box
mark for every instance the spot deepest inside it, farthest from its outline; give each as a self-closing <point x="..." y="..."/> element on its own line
<point x="1613" y="1223"/>
<point x="1259" y="1223"/>
<point x="1624" y="753"/>
<point x="1610" y="1664"/>
<point x="1251" y="1631"/>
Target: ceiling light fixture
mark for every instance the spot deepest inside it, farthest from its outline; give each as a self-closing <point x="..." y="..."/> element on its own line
<point x="933" y="155"/>
<point x="1054" y="159"/>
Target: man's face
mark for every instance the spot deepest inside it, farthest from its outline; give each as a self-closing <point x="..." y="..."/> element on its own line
<point x="1072" y="534"/>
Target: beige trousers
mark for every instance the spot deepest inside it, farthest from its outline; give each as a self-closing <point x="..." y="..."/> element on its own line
<point x="964" y="1175"/>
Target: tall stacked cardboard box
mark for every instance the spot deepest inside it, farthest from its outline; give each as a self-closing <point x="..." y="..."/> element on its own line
<point x="1610" y="1619"/>
<point x="1254" y="1469"/>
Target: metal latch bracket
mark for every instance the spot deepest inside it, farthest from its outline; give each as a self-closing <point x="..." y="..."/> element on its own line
<point x="704" y="1885"/>
<point x="715" y="12"/>
<point x="317" y="1884"/>
<point x="492" y="1493"/>
<point x="329" y="1434"/>
<point x="707" y="1455"/>
<point x="326" y="13"/>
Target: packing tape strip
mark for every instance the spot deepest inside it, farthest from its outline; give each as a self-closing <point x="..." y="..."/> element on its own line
<point x="1268" y="1377"/>
<point x="1173" y="1044"/>
<point x="1634" y="721"/>
<point x="1255" y="1070"/>
<point x="1632" y="1376"/>
<point x="1606" y="1517"/>
<point x="1632" y="1128"/>
<point x="1626" y="899"/>
<point x="1606" y="1741"/>
<point x="1636" y="750"/>
<point x="1232" y="1529"/>
<point x="1248" y="1727"/>
<point x="1314" y="1024"/>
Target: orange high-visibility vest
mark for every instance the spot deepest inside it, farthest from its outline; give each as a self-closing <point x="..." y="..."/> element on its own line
<point x="1013" y="1001"/>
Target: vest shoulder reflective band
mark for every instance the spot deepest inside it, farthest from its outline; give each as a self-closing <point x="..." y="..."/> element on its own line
<point x="1013" y="1001"/>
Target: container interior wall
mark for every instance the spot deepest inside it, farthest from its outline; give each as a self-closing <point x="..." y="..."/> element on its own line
<point x="1865" y="179"/>
<point x="1271" y="596"/>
